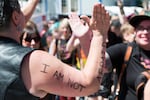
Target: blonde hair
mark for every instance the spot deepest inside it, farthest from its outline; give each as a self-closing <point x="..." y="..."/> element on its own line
<point x="127" y="28"/>
<point x="127" y="32"/>
<point x="65" y="23"/>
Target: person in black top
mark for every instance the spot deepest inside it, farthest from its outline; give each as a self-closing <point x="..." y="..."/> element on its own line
<point x="139" y="59"/>
<point x="29" y="74"/>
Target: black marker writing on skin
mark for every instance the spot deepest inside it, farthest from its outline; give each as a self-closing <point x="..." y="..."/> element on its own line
<point x="45" y="67"/>
<point x="102" y="63"/>
<point x="75" y="85"/>
<point x="100" y="74"/>
<point x="59" y="76"/>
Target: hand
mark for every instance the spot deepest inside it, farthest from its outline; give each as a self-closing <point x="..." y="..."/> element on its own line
<point x="78" y="26"/>
<point x="100" y="20"/>
<point x="120" y="4"/>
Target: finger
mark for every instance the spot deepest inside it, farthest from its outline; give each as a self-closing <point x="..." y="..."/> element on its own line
<point x="73" y="18"/>
<point x="107" y="17"/>
<point x="94" y="17"/>
<point x="103" y="14"/>
<point x="85" y="19"/>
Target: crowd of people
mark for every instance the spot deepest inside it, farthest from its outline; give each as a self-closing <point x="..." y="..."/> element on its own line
<point x="75" y="57"/>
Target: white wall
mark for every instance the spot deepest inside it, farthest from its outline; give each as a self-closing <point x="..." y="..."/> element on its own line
<point x="87" y="6"/>
<point x="54" y="7"/>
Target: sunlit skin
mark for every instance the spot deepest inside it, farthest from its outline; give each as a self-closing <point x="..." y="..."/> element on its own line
<point x="128" y="37"/>
<point x="146" y="90"/>
<point x="42" y="73"/>
<point x="143" y="35"/>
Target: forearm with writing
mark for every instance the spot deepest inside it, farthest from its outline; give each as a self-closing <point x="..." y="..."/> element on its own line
<point x="96" y="57"/>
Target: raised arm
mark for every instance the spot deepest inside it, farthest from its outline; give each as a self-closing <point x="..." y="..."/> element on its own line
<point x="72" y="43"/>
<point x="43" y="73"/>
<point x="29" y="8"/>
<point x="53" y="47"/>
<point x="80" y="27"/>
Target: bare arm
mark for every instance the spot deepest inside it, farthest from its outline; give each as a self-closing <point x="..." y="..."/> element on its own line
<point x="29" y="9"/>
<point x="53" y="48"/>
<point x="72" y="43"/>
<point x="122" y="16"/>
<point x="80" y="28"/>
<point x="47" y="74"/>
<point x="147" y="91"/>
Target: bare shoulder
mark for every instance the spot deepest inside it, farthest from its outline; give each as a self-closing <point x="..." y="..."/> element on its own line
<point x="43" y="73"/>
<point x="37" y="70"/>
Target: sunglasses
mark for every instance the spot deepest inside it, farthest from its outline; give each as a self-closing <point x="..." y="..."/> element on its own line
<point x="29" y="39"/>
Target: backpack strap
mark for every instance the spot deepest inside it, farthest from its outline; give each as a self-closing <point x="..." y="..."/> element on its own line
<point x="126" y="58"/>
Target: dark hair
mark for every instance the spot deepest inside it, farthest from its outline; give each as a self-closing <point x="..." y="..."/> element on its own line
<point x="29" y="29"/>
<point x="136" y="20"/>
<point x="116" y="23"/>
<point x="6" y="9"/>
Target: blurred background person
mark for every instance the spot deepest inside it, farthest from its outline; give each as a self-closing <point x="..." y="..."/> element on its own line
<point x="30" y="36"/>
<point x="62" y="33"/>
<point x="43" y="35"/>
<point x="127" y="32"/>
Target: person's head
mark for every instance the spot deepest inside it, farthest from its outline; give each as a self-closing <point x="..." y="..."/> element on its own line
<point x="11" y="15"/>
<point x="45" y="25"/>
<point x="64" y="28"/>
<point x="115" y="26"/>
<point x="127" y="32"/>
<point x="141" y="23"/>
<point x="32" y="24"/>
<point x="52" y="21"/>
<point x="30" y="37"/>
<point x="54" y="30"/>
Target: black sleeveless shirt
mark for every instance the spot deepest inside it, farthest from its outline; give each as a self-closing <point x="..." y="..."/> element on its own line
<point x="11" y="84"/>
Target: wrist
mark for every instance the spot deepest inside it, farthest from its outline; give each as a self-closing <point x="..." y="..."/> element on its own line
<point x="99" y="34"/>
<point x="74" y="36"/>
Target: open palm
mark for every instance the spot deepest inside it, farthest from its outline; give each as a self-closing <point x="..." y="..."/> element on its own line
<point x="99" y="22"/>
<point x="77" y="25"/>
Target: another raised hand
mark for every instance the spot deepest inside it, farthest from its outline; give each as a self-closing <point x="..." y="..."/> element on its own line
<point x="99" y="21"/>
<point x="98" y="24"/>
<point x="78" y="27"/>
